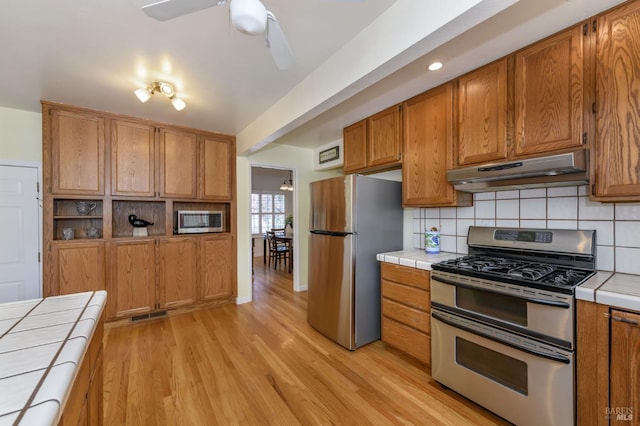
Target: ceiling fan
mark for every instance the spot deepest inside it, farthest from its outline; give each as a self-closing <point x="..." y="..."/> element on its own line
<point x="247" y="16"/>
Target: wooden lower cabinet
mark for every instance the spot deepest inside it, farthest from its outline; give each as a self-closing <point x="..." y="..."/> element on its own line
<point x="216" y="267"/>
<point x="133" y="277"/>
<point x="76" y="410"/>
<point x="77" y="267"/>
<point x="178" y="272"/>
<point x="84" y="405"/>
<point x="154" y="274"/>
<point x="624" y="380"/>
<point x="406" y="309"/>
<point x="592" y="363"/>
<point x="95" y="400"/>
<point x="608" y="365"/>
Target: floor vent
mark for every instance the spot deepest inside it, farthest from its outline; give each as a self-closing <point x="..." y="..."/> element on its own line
<point x="149" y="316"/>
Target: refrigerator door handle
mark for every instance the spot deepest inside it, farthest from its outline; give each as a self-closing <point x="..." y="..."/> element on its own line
<point x="331" y="233"/>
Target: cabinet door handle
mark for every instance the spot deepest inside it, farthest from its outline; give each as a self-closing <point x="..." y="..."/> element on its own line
<point x="624" y="320"/>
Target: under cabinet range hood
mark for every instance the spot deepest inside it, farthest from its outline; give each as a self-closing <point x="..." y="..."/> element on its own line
<point x="566" y="169"/>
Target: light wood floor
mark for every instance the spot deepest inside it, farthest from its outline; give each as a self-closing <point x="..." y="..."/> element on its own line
<point x="261" y="363"/>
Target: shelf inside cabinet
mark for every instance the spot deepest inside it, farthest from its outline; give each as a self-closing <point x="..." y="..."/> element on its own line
<point x="77" y="219"/>
<point x="151" y="211"/>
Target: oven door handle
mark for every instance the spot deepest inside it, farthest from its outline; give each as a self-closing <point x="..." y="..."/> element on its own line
<point x="557" y="358"/>
<point x="554" y="303"/>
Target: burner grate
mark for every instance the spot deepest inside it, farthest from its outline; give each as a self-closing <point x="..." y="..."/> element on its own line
<point x="531" y="272"/>
<point x="516" y="270"/>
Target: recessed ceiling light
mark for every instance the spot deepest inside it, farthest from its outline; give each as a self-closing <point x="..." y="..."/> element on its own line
<point x="435" y="66"/>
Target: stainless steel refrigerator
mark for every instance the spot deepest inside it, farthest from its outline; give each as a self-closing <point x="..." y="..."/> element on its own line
<point x="353" y="218"/>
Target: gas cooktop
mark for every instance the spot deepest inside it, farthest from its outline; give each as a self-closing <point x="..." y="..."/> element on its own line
<point x="548" y="259"/>
<point x="516" y="271"/>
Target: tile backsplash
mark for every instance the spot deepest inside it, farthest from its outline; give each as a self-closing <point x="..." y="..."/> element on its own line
<point x="617" y="225"/>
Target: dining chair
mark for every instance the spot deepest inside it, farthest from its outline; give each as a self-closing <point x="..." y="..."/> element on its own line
<point x="279" y="231"/>
<point x="278" y="252"/>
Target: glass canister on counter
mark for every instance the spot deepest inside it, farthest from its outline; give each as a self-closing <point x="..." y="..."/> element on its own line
<point x="432" y="240"/>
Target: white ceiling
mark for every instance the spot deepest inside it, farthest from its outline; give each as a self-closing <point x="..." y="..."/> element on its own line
<point x="352" y="58"/>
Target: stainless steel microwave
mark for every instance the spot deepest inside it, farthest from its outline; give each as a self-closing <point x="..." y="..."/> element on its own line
<point x="198" y="221"/>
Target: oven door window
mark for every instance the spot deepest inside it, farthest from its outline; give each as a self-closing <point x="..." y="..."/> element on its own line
<point x="493" y="365"/>
<point x="494" y="305"/>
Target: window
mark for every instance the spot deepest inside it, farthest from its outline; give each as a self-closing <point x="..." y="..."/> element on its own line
<point x="267" y="211"/>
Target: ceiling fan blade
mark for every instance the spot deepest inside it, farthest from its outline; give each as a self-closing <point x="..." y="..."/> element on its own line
<point x="248" y="16"/>
<point x="164" y="10"/>
<point x="277" y="44"/>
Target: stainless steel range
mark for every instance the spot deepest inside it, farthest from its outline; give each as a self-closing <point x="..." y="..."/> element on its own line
<point x="502" y="329"/>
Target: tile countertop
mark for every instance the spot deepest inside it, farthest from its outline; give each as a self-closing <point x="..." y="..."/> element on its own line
<point x="614" y="289"/>
<point x="621" y="291"/>
<point x="415" y="258"/>
<point x="42" y="342"/>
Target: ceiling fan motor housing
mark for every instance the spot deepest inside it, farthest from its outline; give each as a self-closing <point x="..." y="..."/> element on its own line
<point x="248" y="16"/>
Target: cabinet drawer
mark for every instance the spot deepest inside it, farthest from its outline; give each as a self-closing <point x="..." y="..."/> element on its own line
<point x="407" y="339"/>
<point x="407" y="295"/>
<point x="413" y="317"/>
<point x="403" y="274"/>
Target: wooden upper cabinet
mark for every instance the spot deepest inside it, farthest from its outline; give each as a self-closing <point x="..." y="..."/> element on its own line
<point x="217" y="267"/>
<point x="482" y="114"/>
<point x="354" y="144"/>
<point x="132" y="159"/>
<point x="384" y="135"/>
<point x="178" y="272"/>
<point x="428" y="150"/>
<point x="216" y="169"/>
<point x="374" y="143"/>
<point x="617" y="146"/>
<point x="77" y="267"/>
<point x="77" y="153"/>
<point x="550" y="85"/>
<point x="178" y="164"/>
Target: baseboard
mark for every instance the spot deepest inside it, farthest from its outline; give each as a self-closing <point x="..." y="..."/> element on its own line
<point x="242" y="300"/>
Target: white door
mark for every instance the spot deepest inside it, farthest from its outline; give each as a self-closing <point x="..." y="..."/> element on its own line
<point x="19" y="231"/>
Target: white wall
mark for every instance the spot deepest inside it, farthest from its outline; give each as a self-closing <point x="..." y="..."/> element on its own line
<point x="20" y="135"/>
<point x="299" y="160"/>
<point x="21" y="145"/>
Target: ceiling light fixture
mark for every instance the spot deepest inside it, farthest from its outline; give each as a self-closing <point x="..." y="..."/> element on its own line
<point x="287" y="185"/>
<point x="435" y="66"/>
<point x="164" y="88"/>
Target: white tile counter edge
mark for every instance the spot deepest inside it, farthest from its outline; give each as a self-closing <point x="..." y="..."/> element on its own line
<point x="587" y="291"/>
<point x="49" y="402"/>
<point x="415" y="258"/>
<point x="621" y="291"/>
